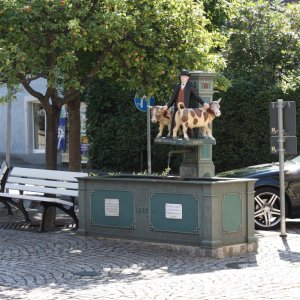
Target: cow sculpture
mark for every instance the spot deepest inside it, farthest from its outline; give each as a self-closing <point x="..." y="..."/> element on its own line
<point x="163" y="117"/>
<point x="196" y="118"/>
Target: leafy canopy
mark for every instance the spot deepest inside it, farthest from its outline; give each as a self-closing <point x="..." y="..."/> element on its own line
<point x="264" y="41"/>
<point x="142" y="43"/>
<point x="263" y="63"/>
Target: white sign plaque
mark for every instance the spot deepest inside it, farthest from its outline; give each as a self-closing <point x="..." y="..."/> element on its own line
<point x="112" y="207"/>
<point x="173" y="211"/>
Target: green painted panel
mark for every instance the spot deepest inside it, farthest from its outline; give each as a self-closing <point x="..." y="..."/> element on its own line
<point x="112" y="208"/>
<point x="174" y="213"/>
<point x="205" y="152"/>
<point x="232" y="212"/>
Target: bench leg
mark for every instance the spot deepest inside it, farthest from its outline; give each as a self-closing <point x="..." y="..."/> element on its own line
<point x="71" y="213"/>
<point x="9" y="211"/>
<point x="19" y="204"/>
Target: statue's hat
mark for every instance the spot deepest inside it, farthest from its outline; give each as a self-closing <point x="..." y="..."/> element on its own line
<point x="185" y="72"/>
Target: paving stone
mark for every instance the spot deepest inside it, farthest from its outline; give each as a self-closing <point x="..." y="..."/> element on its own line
<point x="62" y="265"/>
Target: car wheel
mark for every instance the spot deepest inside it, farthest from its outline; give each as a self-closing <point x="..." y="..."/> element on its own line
<point x="267" y="208"/>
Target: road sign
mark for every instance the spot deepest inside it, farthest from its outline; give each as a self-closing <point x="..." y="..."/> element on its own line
<point x="288" y="123"/>
<point x="290" y="144"/>
<point x="289" y="118"/>
<point x="141" y="103"/>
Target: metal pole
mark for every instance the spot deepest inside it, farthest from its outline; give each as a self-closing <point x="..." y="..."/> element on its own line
<point x="148" y="136"/>
<point x="8" y="132"/>
<point x="281" y="167"/>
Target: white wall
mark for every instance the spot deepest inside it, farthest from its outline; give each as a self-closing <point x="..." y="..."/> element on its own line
<point x="19" y="113"/>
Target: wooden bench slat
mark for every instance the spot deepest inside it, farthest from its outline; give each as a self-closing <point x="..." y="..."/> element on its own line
<point x="37" y="198"/>
<point x="46" y="174"/>
<point x="45" y="183"/>
<point x="39" y="185"/>
<point x="43" y="190"/>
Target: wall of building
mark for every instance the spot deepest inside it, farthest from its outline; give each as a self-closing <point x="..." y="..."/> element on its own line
<point x="21" y="144"/>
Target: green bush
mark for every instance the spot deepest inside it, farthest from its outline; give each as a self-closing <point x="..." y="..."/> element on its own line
<point x="243" y="130"/>
<point x="118" y="131"/>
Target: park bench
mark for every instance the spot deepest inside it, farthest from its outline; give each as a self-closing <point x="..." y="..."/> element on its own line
<point x="51" y="188"/>
<point x="3" y="176"/>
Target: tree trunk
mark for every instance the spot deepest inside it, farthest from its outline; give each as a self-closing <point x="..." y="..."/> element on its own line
<point x="74" y="135"/>
<point x="51" y="156"/>
<point x="51" y="138"/>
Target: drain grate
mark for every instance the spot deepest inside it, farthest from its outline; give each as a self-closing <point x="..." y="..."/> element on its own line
<point x="18" y="226"/>
<point x="31" y="226"/>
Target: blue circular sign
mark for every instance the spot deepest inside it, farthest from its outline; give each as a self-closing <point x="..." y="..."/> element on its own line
<point x="141" y="103"/>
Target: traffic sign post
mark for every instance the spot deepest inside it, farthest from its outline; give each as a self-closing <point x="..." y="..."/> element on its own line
<point x="283" y="140"/>
<point x="149" y="137"/>
<point x="144" y="104"/>
<point x="281" y="167"/>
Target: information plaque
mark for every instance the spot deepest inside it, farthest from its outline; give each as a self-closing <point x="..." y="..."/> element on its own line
<point x="173" y="211"/>
<point x="112" y="208"/>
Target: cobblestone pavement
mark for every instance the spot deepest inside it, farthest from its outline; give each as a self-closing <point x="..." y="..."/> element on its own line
<point x="62" y="265"/>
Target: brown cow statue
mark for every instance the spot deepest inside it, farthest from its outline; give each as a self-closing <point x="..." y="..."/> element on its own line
<point x="163" y="117"/>
<point x="196" y="118"/>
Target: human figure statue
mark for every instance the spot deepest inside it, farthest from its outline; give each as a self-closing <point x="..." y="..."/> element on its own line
<point x="184" y="92"/>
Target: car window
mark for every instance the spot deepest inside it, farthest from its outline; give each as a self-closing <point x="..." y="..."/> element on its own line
<point x="296" y="160"/>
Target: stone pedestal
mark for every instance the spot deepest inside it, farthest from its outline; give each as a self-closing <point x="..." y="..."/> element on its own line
<point x="197" y="163"/>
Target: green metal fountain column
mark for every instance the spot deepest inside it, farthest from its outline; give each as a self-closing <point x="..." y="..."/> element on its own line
<point x="197" y="151"/>
<point x="198" y="161"/>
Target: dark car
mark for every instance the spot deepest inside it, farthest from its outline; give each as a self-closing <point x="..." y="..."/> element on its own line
<point x="267" y="191"/>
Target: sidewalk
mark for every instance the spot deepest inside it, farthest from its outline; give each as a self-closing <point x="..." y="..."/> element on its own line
<point x="62" y="265"/>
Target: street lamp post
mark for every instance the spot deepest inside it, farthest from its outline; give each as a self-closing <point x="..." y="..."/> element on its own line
<point x="8" y="132"/>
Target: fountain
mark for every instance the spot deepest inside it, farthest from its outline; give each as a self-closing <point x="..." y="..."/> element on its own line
<point x="212" y="216"/>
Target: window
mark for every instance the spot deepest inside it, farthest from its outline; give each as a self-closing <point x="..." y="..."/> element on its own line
<point x="39" y="126"/>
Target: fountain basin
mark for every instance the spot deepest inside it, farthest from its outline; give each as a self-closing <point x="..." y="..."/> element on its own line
<point x="214" y="214"/>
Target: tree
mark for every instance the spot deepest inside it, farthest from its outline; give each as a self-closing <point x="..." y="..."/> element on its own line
<point x="141" y="43"/>
<point x="218" y="12"/>
<point x="264" y="41"/>
<point x="263" y="63"/>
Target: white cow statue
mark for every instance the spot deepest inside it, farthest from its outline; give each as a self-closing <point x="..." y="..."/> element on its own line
<point x="196" y="118"/>
<point x="164" y="118"/>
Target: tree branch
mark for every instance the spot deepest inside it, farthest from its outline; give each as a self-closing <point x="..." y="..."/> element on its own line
<point x="122" y="60"/>
<point x="90" y="12"/>
<point x="34" y="78"/>
<point x="95" y="68"/>
<point x="50" y="58"/>
<point x="70" y="96"/>
<point x="28" y="88"/>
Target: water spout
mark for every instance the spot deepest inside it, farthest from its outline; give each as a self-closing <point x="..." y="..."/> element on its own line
<point x="176" y="152"/>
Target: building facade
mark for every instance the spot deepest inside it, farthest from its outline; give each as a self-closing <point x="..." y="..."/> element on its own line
<point x="28" y="126"/>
